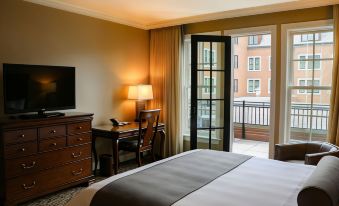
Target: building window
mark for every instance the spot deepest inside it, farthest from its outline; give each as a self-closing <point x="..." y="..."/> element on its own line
<point x="254" y="63"/>
<point x="207" y="56"/>
<point x="308" y="89"/>
<point x="306" y="62"/>
<point x="310" y="37"/>
<point x="269" y="63"/>
<point x="207" y="85"/>
<point x="253" y="85"/>
<point x="236" y="62"/>
<point x="236" y="85"/>
<point x="253" y="40"/>
<point x="269" y="85"/>
<point x="308" y="83"/>
<point x="235" y="40"/>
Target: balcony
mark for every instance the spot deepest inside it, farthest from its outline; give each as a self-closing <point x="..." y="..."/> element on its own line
<point x="252" y="119"/>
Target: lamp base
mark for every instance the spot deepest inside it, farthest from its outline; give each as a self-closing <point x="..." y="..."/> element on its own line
<point x="139" y="106"/>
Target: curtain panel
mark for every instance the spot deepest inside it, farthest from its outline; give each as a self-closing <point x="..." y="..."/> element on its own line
<point x="333" y="128"/>
<point x="165" y="63"/>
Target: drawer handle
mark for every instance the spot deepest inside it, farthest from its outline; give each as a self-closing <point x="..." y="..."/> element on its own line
<point x="76" y="155"/>
<point x="75" y="173"/>
<point x="28" y="187"/>
<point x="80" y="139"/>
<point x="22" y="149"/>
<point x="24" y="166"/>
<point x="80" y="127"/>
<point x="54" y="144"/>
<point x="53" y="131"/>
<point x="22" y="135"/>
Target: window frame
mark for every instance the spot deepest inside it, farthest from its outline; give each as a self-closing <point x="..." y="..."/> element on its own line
<point x="306" y="79"/>
<point x="251" y="40"/>
<point x="248" y="63"/>
<point x="236" y="61"/>
<point x="286" y="30"/>
<point x="236" y="85"/>
<point x="206" y="90"/>
<point x="307" y="61"/>
<point x="247" y="86"/>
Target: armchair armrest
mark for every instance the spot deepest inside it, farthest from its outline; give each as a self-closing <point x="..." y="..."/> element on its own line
<point x="290" y="151"/>
<point x="313" y="159"/>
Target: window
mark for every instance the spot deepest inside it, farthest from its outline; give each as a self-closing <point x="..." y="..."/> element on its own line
<point x="306" y="62"/>
<point x="207" y="56"/>
<point x="253" y="40"/>
<point x="269" y="63"/>
<point x="207" y="85"/>
<point x="269" y="85"/>
<point x="310" y="37"/>
<point x="308" y="82"/>
<point x="253" y="85"/>
<point x="235" y="40"/>
<point x="236" y="62"/>
<point x="254" y="63"/>
<point x="236" y="85"/>
<point x="308" y="88"/>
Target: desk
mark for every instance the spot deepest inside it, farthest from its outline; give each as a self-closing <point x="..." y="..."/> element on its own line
<point x="116" y="134"/>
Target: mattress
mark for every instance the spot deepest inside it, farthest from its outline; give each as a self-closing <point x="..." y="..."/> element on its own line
<point x="257" y="182"/>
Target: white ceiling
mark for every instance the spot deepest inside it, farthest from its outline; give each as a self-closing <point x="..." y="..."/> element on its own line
<point x="148" y="14"/>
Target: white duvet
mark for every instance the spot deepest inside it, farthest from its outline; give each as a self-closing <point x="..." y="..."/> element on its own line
<point x="257" y="182"/>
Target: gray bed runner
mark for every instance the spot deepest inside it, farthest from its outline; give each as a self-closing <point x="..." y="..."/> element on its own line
<point x="168" y="182"/>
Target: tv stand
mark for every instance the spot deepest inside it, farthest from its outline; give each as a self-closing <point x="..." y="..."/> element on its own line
<point x="41" y="114"/>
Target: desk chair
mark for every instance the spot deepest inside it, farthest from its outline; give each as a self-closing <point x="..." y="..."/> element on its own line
<point x="146" y="137"/>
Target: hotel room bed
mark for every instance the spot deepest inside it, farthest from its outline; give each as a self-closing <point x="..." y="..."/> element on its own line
<point x="236" y="180"/>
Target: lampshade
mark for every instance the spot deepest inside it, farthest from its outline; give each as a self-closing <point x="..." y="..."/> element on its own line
<point x="140" y="92"/>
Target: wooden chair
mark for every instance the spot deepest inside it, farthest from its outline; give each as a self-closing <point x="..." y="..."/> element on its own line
<point x="146" y="136"/>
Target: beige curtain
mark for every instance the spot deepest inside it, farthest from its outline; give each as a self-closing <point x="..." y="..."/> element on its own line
<point x="165" y="58"/>
<point x="333" y="130"/>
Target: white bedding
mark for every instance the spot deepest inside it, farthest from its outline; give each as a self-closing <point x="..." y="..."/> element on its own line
<point x="257" y="182"/>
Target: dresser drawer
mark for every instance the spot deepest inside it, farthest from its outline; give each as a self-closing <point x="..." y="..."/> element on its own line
<point x="34" y="163"/>
<point x="22" y="166"/>
<point x="19" y="136"/>
<point x="52" y="144"/>
<point x="28" y="185"/>
<point x="79" y="139"/>
<point x="20" y="150"/>
<point x="53" y="131"/>
<point x="79" y="127"/>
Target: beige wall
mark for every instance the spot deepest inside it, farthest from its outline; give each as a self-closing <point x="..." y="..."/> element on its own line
<point x="107" y="56"/>
<point x="303" y="15"/>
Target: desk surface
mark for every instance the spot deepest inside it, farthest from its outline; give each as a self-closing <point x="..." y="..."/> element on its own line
<point x="132" y="126"/>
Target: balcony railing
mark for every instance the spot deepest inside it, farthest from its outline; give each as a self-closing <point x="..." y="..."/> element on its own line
<point x="258" y="114"/>
<point x="303" y="116"/>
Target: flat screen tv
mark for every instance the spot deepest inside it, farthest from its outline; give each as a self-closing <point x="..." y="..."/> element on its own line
<point x="36" y="88"/>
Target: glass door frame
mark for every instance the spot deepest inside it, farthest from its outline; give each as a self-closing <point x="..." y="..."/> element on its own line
<point x="195" y="39"/>
<point x="272" y="29"/>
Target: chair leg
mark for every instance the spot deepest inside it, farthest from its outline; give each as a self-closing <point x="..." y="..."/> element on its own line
<point x="153" y="156"/>
<point x="139" y="158"/>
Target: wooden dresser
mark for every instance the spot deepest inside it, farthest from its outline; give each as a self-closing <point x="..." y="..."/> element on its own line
<point x="40" y="156"/>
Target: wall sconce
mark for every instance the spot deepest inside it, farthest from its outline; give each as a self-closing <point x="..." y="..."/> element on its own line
<point x="140" y="93"/>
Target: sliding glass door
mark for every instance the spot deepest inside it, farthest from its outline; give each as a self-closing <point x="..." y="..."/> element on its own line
<point x="210" y="92"/>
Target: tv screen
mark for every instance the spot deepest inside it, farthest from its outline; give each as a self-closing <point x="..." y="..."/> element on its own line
<point x="33" y="88"/>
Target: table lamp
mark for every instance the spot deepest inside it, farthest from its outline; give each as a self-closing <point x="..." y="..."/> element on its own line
<point x="140" y="93"/>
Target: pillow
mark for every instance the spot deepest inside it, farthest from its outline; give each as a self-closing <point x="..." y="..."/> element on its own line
<point x="322" y="187"/>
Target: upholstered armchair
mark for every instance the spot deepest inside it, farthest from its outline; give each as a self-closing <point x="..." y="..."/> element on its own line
<point x="308" y="153"/>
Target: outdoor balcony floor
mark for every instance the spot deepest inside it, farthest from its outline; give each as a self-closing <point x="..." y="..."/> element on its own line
<point x="250" y="147"/>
